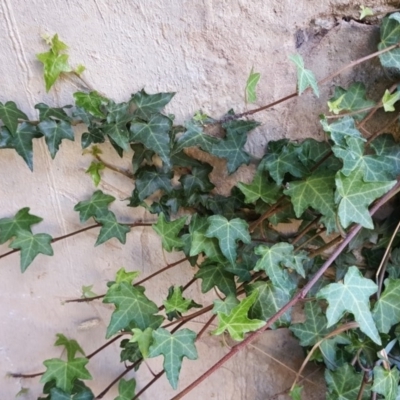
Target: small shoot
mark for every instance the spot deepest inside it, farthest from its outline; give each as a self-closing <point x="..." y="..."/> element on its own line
<point x="251" y="85"/>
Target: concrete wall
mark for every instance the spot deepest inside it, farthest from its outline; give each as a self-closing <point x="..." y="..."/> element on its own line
<point x="204" y="51"/>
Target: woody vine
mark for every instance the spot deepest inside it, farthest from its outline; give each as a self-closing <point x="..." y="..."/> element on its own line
<point x="331" y="188"/>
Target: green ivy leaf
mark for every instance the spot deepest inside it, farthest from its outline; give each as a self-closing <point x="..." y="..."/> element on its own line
<point x="154" y="135"/>
<point x="260" y="188"/>
<point x="225" y="306"/>
<point x="228" y="233"/>
<point x="173" y="346"/>
<point x="237" y="323"/>
<point x="21" y="141"/>
<point x="352" y="296"/>
<point x="315" y="191"/>
<point x="251" y="85"/>
<point x="305" y="77"/>
<point x="389" y="100"/>
<point x="31" y="245"/>
<point x="314" y="328"/>
<point x="354" y="196"/>
<point x="269" y="300"/>
<point x="46" y="113"/>
<point x="386" y="382"/>
<point x="10" y="114"/>
<point x="386" y="311"/>
<point x="54" y="132"/>
<point x="341" y="129"/>
<point x="126" y="389"/>
<point x="65" y="372"/>
<point x="169" y="231"/>
<point x="95" y="206"/>
<point x="22" y="221"/>
<point x="140" y="154"/>
<point x="389" y="150"/>
<point x="110" y="228"/>
<point x="149" y="180"/>
<point x="144" y="339"/>
<point x="195" y="137"/>
<point x="176" y="304"/>
<point x="87" y="292"/>
<point x="344" y="384"/>
<point x="132" y="306"/>
<point x="390" y="35"/>
<point x="295" y="393"/>
<point x="94" y="171"/>
<point x="91" y="102"/>
<point x="130" y="352"/>
<point x="197" y="180"/>
<point x="148" y="104"/>
<point x="365" y="12"/>
<point x="118" y="133"/>
<point x="214" y="274"/>
<point x="71" y="345"/>
<point x="123" y="276"/>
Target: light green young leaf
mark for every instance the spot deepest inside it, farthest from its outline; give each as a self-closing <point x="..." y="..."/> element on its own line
<point x="123" y="276"/>
<point x="131" y="306"/>
<point x="386" y="311"/>
<point x="295" y="393"/>
<point x="351" y="296"/>
<point x="126" y="389"/>
<point x="54" y="132"/>
<point x="95" y="206"/>
<point x="80" y="69"/>
<point x="87" y="292"/>
<point x="334" y="105"/>
<point x="390" y="35"/>
<point x="365" y="12"/>
<point x="169" y="231"/>
<point x="251" y="85"/>
<point x="71" y="345"/>
<point x="386" y="382"/>
<point x="144" y="339"/>
<point x="305" y="77"/>
<point x="94" y="171"/>
<point x="173" y="346"/>
<point x="31" y="245"/>
<point x="54" y="65"/>
<point x="237" y="323"/>
<point x="22" y="221"/>
<point x="110" y="228"/>
<point x="389" y="100"/>
<point x="91" y="102"/>
<point x="354" y="196"/>
<point x="228" y="233"/>
<point x="10" y="114"/>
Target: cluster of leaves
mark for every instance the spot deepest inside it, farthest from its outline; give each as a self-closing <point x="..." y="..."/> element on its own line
<point x="234" y="241"/>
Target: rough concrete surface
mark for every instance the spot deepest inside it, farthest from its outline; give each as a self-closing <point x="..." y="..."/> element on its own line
<point x="204" y="51"/>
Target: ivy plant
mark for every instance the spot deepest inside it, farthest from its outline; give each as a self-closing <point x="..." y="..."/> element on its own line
<point x="341" y="263"/>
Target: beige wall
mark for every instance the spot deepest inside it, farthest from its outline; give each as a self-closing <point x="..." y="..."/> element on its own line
<point x="204" y="51"/>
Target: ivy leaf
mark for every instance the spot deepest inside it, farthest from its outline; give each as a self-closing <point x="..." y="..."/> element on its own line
<point x="148" y="104"/>
<point x="132" y="306"/>
<point x="344" y="384"/>
<point x="173" y="347"/>
<point x="295" y="393"/>
<point x="46" y="113"/>
<point x="315" y="191"/>
<point x="87" y="292"/>
<point x="71" y="345"/>
<point x="21" y="141"/>
<point x="94" y="171"/>
<point x="386" y="311"/>
<point x="22" y="221"/>
<point x="140" y="153"/>
<point x="311" y="152"/>
<point x="386" y="382"/>
<point x="144" y="339"/>
<point x="237" y="323"/>
<point x="390" y="35"/>
<point x="195" y="137"/>
<point x="10" y="114"/>
<point x="354" y="196"/>
<point x="118" y="133"/>
<point x="65" y="372"/>
<point x="31" y="245"/>
<point x="93" y="207"/>
<point x="91" y="102"/>
<point x="197" y="180"/>
<point x="387" y="148"/>
<point x="123" y="276"/>
<point x="126" y="389"/>
<point x="286" y="160"/>
<point x="149" y="180"/>
<point x="214" y="274"/>
<point x="341" y="129"/>
<point x="228" y="233"/>
<point x="169" y="231"/>
<point x="305" y="77"/>
<point x="110" y="228"/>
<point x="314" y="328"/>
<point x="130" y="352"/>
<point x="269" y="300"/>
<point x="54" y="132"/>
<point x="352" y="296"/>
<point x="176" y="304"/>
<point x="154" y="135"/>
<point x="225" y="306"/>
<point x="389" y="100"/>
<point x="251" y="85"/>
<point x="365" y="12"/>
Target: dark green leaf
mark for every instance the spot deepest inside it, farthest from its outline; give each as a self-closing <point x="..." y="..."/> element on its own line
<point x="140" y="154"/>
<point x="149" y="180"/>
<point x="130" y="352"/>
<point x="176" y="304"/>
<point x="71" y="345"/>
<point x="10" y="114"/>
<point x="341" y="129"/>
<point x="173" y="346"/>
<point x="169" y="231"/>
<point x="195" y="137"/>
<point x="197" y="180"/>
<point x="54" y="132"/>
<point x="95" y="206"/>
<point x="110" y="228"/>
<point x="118" y="133"/>
<point x="46" y="112"/>
<point x="95" y="135"/>
<point x="148" y="104"/>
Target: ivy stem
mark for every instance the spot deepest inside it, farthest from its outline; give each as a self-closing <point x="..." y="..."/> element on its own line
<point x="190" y="316"/>
<point x="114" y="168"/>
<point x="267" y="214"/>
<point x="349" y="114"/>
<point x="306" y="229"/>
<point x="85" y="300"/>
<point x="300" y="295"/>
